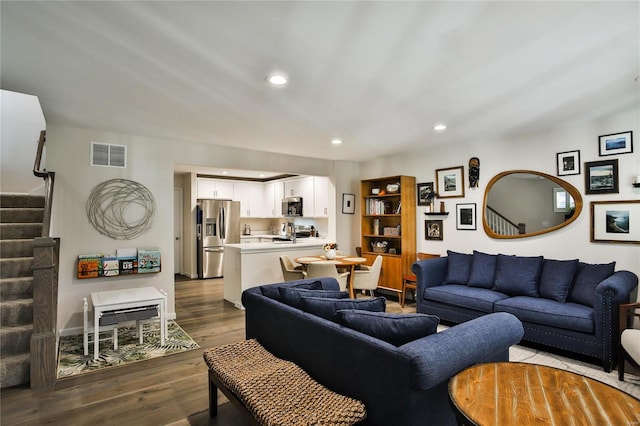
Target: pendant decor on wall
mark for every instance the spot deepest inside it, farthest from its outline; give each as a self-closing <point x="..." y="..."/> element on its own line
<point x="121" y="209"/>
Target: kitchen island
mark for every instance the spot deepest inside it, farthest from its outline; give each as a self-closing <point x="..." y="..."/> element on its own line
<point x="249" y="265"/>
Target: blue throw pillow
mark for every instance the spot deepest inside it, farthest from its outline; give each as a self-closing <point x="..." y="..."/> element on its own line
<point x="396" y="329"/>
<point x="458" y="267"/>
<point x="587" y="279"/>
<point x="292" y="296"/>
<point x="483" y="270"/>
<point x="272" y="290"/>
<point x="518" y="275"/>
<point x="556" y="278"/>
<point x="326" y="308"/>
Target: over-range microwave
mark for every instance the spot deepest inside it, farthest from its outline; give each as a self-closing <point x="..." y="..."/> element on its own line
<point x="292" y="206"/>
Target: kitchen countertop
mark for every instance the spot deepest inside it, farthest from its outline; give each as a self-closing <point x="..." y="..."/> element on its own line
<point x="278" y="246"/>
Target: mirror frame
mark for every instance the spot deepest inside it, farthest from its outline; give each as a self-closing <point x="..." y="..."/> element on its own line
<point x="572" y="190"/>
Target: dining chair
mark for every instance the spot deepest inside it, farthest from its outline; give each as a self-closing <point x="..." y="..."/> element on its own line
<point x="361" y="267"/>
<point x="290" y="271"/>
<point x="409" y="280"/>
<point x="368" y="280"/>
<point x="326" y="268"/>
<point x="629" y="338"/>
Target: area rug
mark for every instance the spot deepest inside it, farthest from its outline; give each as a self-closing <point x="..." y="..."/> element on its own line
<point x="72" y="361"/>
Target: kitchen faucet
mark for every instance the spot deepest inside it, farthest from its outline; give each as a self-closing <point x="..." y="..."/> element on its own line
<point x="293" y="231"/>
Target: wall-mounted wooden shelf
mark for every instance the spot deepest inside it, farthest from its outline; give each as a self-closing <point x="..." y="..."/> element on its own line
<point x="436" y="214"/>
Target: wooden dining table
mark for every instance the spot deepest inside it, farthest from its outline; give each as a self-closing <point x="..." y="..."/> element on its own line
<point x="341" y="261"/>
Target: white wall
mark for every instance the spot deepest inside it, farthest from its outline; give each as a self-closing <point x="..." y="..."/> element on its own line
<point x="21" y="123"/>
<point x="151" y="163"/>
<point x="532" y="151"/>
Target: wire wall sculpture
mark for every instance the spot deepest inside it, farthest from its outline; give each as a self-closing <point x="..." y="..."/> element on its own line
<point x="121" y="209"/>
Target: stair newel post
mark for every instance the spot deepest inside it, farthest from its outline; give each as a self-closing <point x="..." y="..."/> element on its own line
<point x="45" y="309"/>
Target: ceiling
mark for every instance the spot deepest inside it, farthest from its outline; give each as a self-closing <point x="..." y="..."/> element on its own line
<point x="378" y="75"/>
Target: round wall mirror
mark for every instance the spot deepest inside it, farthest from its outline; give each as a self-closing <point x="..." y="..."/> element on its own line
<point x="524" y="203"/>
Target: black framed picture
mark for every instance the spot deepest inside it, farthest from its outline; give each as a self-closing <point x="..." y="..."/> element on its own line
<point x="615" y="221"/>
<point x="568" y="163"/>
<point x="616" y="143"/>
<point x="433" y="230"/>
<point x="466" y="216"/>
<point x="425" y="193"/>
<point x="348" y="203"/>
<point x="601" y="177"/>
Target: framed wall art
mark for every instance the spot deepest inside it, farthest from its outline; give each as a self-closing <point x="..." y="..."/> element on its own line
<point x="568" y="163"/>
<point x="466" y="216"/>
<point x="450" y="182"/>
<point x="615" y="221"/>
<point x="348" y="203"/>
<point x="601" y="177"/>
<point x="433" y="230"/>
<point x="425" y="193"/>
<point x="616" y="143"/>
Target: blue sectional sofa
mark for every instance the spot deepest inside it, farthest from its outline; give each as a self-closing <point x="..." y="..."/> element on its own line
<point x="564" y="304"/>
<point x="397" y="364"/>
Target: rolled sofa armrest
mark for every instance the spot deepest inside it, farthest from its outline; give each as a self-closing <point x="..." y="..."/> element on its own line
<point x="440" y="356"/>
<point x="430" y="272"/>
<point x="621" y="283"/>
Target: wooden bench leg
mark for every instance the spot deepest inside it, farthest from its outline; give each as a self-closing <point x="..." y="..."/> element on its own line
<point x="213" y="398"/>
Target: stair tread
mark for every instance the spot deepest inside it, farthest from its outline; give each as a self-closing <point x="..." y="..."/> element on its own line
<point x="12" y="300"/>
<point x="12" y="329"/>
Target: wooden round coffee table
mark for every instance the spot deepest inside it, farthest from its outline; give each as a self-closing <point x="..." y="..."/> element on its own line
<point x="514" y="393"/>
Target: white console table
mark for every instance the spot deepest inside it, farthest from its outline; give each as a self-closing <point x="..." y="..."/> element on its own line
<point x="123" y="300"/>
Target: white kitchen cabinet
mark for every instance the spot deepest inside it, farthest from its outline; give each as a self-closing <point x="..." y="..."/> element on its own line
<point x="321" y="196"/>
<point x="273" y="195"/>
<point x="212" y="188"/>
<point x="251" y="197"/>
<point x="302" y="187"/>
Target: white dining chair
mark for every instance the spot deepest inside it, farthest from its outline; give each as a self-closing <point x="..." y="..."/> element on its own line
<point x="290" y="271"/>
<point x="368" y="280"/>
<point x="327" y="268"/>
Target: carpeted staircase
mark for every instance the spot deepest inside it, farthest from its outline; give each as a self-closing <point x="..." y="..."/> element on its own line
<point x="21" y="219"/>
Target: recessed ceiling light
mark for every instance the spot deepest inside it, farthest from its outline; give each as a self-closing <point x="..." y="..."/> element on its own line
<point x="277" y="79"/>
<point x="440" y="127"/>
<point x="224" y="172"/>
<point x="336" y="141"/>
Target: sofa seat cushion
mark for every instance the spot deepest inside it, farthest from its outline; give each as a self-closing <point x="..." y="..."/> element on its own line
<point x="396" y="329"/>
<point x="479" y="299"/>
<point x="568" y="316"/>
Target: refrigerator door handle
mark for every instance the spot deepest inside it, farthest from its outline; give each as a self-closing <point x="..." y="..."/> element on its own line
<point x="223" y="224"/>
<point x="199" y="231"/>
<point x="214" y="249"/>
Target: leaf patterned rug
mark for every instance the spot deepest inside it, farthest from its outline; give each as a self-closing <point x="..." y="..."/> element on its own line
<point x="72" y="361"/>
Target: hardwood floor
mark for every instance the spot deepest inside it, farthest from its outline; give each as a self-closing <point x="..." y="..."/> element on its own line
<point x="171" y="390"/>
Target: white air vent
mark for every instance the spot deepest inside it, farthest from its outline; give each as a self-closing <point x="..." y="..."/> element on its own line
<point x="108" y="155"/>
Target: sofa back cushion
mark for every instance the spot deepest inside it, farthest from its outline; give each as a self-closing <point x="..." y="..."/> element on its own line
<point x="518" y="275"/>
<point x="458" y="267"/>
<point x="556" y="278"/>
<point x="396" y="329"/>
<point x="588" y="276"/>
<point x="483" y="270"/>
<point x="326" y="308"/>
<point x="273" y="291"/>
<point x="292" y="296"/>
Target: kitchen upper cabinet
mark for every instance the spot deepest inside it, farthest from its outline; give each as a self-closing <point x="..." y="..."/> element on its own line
<point x="251" y="197"/>
<point x="211" y="188"/>
<point x="321" y="196"/>
<point x="273" y="195"/>
<point x="302" y="187"/>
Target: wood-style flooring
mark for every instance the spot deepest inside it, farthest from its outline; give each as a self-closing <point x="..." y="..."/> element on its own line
<point x="171" y="390"/>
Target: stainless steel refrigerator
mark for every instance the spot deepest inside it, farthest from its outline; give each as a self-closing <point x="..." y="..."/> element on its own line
<point x="217" y="224"/>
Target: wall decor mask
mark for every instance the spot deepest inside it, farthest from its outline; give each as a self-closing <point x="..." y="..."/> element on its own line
<point x="121" y="209"/>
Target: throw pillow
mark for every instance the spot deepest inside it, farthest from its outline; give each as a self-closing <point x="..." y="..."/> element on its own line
<point x="518" y="275"/>
<point x="396" y="329"/>
<point x="292" y="296"/>
<point x="272" y="290"/>
<point x="326" y="308"/>
<point x="458" y="267"/>
<point x="587" y="279"/>
<point x="556" y="278"/>
<point x="483" y="270"/>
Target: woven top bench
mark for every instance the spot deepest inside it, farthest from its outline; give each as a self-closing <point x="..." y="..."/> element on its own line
<point x="273" y="391"/>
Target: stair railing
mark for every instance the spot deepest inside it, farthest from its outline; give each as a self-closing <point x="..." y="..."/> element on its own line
<point x="501" y="225"/>
<point x="46" y="252"/>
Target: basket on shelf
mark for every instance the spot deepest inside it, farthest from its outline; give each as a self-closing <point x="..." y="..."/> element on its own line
<point x="379" y="246"/>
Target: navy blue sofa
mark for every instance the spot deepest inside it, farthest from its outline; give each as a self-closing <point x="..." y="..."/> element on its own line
<point x="399" y="385"/>
<point x="564" y="304"/>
